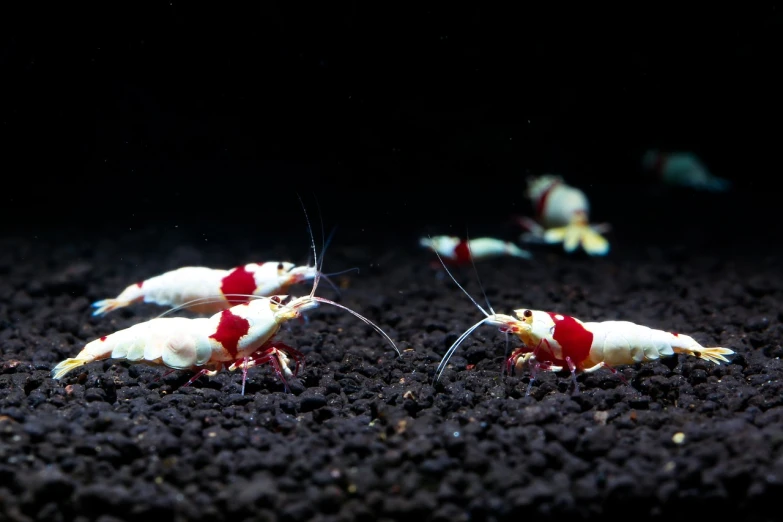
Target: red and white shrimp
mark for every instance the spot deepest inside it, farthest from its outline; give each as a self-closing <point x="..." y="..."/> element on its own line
<point x="562" y="216"/>
<point x="459" y="251"/>
<point x="553" y="342"/>
<point x="683" y="168"/>
<point x="225" y="288"/>
<point x="243" y="335"/>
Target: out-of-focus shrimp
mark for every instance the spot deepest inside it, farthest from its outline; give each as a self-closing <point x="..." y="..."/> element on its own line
<point x="562" y="216"/>
<point x="683" y="168"/>
<point x="458" y="251"/>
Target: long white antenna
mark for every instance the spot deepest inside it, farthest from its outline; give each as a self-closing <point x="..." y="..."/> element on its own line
<point x="473" y="262"/>
<point x="453" y="348"/>
<point x="456" y="282"/>
<point x="312" y="243"/>
<point x="211" y="299"/>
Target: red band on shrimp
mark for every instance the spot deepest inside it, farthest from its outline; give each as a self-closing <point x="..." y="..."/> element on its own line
<point x="541" y="204"/>
<point x="462" y="252"/>
<point x="230" y="330"/>
<point x="660" y="164"/>
<point x="238" y="281"/>
<point x="575" y="339"/>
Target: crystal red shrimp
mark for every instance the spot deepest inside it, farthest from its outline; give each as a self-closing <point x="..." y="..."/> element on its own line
<point x="240" y="336"/>
<point x="683" y="169"/>
<point x="205" y="345"/>
<point x="562" y="216"/>
<point x="461" y="251"/>
<point x="224" y="288"/>
<point x="553" y="342"/>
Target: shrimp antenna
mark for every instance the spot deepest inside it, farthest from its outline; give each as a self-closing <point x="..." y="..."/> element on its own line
<point x="362" y="318"/>
<point x="312" y="243"/>
<point x="473" y="262"/>
<point x="461" y="339"/>
<point x="210" y="299"/>
<point x="323" y="256"/>
<point x="331" y="283"/>
<point x="324" y="241"/>
<point x="313" y="297"/>
<point x="341" y="272"/>
<point x="327" y="241"/>
<point x="455" y="280"/>
<point x="453" y="348"/>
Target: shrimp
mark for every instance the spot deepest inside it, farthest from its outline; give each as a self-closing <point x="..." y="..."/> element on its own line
<point x="553" y="342"/>
<point x="458" y="251"/>
<point x="562" y="216"/>
<point x="243" y="335"/>
<point x="229" y="287"/>
<point x="684" y="169"/>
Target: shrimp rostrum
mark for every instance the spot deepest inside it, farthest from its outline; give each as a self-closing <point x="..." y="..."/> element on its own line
<point x="242" y="336"/>
<point x="554" y="342"/>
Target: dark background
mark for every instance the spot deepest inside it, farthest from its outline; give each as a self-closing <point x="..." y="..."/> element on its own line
<point x="397" y="116"/>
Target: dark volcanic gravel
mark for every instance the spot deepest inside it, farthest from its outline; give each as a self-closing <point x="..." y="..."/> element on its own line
<point x="140" y="138"/>
<point x="365" y="436"/>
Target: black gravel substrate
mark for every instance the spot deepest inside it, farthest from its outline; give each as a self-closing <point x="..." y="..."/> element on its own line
<point x="365" y="435"/>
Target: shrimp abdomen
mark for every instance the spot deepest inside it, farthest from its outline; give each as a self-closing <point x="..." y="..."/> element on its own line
<point x="183" y="285"/>
<point x="96" y="350"/>
<point x="171" y="289"/>
<point x="624" y="342"/>
<point x="177" y="342"/>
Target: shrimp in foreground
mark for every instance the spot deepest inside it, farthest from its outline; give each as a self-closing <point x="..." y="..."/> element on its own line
<point x="240" y="336"/>
<point x="224" y="288"/>
<point x="553" y="341"/>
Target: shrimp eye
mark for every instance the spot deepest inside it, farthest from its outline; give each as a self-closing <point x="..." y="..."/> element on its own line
<point x="527" y="313"/>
